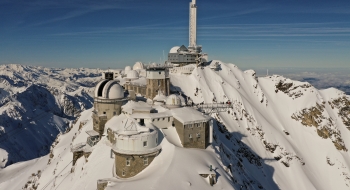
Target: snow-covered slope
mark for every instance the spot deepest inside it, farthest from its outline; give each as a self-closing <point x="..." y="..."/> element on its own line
<point x="280" y="134"/>
<point x="279" y="129"/>
<point x="36" y="104"/>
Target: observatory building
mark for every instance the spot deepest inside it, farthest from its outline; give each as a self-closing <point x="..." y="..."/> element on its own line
<point x="193" y="54"/>
<point x="157" y="77"/>
<point x="134" y="146"/>
<point x="108" y="99"/>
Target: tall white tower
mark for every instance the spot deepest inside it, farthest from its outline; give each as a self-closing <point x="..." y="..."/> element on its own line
<point x="193" y="24"/>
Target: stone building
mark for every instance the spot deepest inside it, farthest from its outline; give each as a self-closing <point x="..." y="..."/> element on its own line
<point x="192" y="127"/>
<point x="108" y="99"/>
<point x="157" y="80"/>
<point x="134" y="146"/>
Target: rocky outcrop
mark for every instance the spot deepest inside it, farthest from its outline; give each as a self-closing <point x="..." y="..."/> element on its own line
<point x="291" y="89"/>
<point x="343" y="105"/>
<point x="326" y="128"/>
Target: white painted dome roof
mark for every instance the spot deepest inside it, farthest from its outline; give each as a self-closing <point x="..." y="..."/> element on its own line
<point x="173" y="101"/>
<point x="127" y="69"/>
<point x="137" y="66"/>
<point x="109" y="89"/>
<point x="98" y="86"/>
<point x="174" y="49"/>
<point x="132" y="75"/>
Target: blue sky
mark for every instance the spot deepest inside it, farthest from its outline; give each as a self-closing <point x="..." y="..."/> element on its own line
<point x="250" y="34"/>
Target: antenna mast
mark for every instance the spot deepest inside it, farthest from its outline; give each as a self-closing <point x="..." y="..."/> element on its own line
<point x="193" y="24"/>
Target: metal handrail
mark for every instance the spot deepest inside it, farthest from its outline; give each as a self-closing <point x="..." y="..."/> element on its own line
<point x="109" y="100"/>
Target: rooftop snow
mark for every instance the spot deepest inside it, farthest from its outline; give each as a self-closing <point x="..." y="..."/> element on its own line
<point x="132" y="105"/>
<point x="188" y="115"/>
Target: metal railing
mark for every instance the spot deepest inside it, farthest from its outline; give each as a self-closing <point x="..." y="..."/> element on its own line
<point x="109" y="100"/>
<point x="213" y="107"/>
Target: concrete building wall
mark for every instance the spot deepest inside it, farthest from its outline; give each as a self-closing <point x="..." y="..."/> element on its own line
<point x="157" y="74"/>
<point x="136" y="164"/>
<point x="195" y="135"/>
<point x="182" y="58"/>
<point x="154" y="85"/>
<point x="137" y="143"/>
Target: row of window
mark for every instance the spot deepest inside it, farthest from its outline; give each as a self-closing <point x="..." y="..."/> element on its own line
<point x="161" y="118"/>
<point x="194" y="125"/>
<point x="114" y="113"/>
<point x="128" y="161"/>
<point x="183" y="55"/>
<point x="145" y="143"/>
<point x="198" y="135"/>
<point x="183" y="60"/>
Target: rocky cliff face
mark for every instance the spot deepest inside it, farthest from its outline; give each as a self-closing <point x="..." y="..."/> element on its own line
<point x="36" y="104"/>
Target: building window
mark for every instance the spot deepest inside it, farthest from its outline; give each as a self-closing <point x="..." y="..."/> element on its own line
<point x="198" y="135"/>
<point x="104" y="112"/>
<point x="156" y="140"/>
<point x="123" y="173"/>
<point x="163" y="118"/>
<point x="158" y="81"/>
<point x="159" y="72"/>
<point x="190" y="135"/>
<point x="152" y="120"/>
<point x="114" y="113"/>
<point x="168" y="119"/>
<point x="128" y="160"/>
<point x="144" y="143"/>
<point x="145" y="161"/>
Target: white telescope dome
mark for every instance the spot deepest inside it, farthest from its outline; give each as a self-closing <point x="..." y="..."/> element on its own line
<point x="127" y="69"/>
<point x="173" y="101"/>
<point x="132" y="75"/>
<point x="174" y="49"/>
<point x="138" y="66"/>
<point x="109" y="89"/>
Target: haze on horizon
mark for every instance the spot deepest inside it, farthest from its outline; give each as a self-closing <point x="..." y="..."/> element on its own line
<point x="250" y="34"/>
